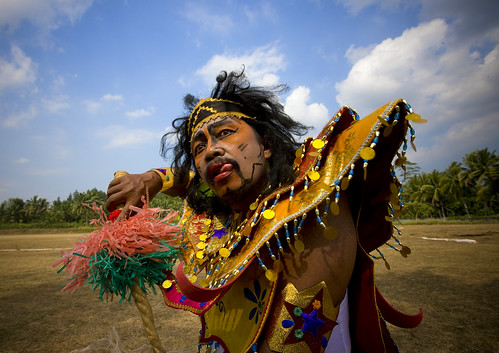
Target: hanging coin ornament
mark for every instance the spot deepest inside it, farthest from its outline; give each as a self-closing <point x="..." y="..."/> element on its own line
<point x="330" y="233"/>
<point x="318" y="144"/>
<point x="314" y="175"/>
<point x="367" y="153"/>
<point x="167" y="284"/>
<point x="268" y="214"/>
<point x="299" y="246"/>
<point x="335" y="209"/>
<point x="224" y="252"/>
<point x="271" y="275"/>
<point x="387" y="131"/>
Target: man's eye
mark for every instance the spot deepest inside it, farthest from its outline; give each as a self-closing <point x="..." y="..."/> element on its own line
<point x="198" y="148"/>
<point x="224" y="132"/>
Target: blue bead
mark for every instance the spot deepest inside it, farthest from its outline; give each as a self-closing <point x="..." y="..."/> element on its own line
<point x="324" y="342"/>
<point x="287" y="323"/>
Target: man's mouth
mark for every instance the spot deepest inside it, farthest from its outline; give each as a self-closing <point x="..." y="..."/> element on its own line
<point x="220" y="171"/>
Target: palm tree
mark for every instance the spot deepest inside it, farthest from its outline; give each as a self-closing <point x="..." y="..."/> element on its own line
<point x="35" y="208"/>
<point x="456" y="186"/>
<point x="429" y="187"/>
<point x="482" y="172"/>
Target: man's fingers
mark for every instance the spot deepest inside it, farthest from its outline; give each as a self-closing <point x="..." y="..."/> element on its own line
<point x="124" y="213"/>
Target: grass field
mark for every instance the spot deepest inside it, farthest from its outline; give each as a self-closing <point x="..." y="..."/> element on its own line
<point x="456" y="283"/>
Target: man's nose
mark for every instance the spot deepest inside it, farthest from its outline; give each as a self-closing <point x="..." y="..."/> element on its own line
<point x="213" y="149"/>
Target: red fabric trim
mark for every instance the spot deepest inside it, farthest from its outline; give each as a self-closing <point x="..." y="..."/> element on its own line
<point x="396" y="317"/>
<point x="365" y="329"/>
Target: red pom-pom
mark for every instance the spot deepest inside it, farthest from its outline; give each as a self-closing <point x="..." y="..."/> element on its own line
<point x="114" y="215"/>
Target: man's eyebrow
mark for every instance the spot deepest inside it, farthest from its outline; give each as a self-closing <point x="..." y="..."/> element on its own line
<point x="224" y="121"/>
<point x="218" y="123"/>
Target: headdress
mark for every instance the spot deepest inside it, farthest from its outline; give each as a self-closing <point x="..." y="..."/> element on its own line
<point x="211" y="108"/>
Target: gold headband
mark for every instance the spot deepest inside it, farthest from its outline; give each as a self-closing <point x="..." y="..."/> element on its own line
<point x="211" y="108"/>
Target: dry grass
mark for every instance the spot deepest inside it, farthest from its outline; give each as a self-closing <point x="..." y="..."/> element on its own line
<point x="457" y="284"/>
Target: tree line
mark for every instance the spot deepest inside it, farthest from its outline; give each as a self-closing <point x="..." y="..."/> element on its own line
<point x="464" y="189"/>
<point x="70" y="212"/>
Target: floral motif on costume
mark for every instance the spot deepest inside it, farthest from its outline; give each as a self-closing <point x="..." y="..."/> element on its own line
<point x="304" y="320"/>
<point x="257" y="298"/>
<point x="311" y="325"/>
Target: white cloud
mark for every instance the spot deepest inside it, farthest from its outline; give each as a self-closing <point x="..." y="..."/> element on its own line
<point x="17" y="72"/>
<point x="119" y="137"/>
<point x="208" y="19"/>
<point x="261" y="65"/>
<point x="394" y="66"/>
<point x="263" y="10"/>
<point x="93" y="106"/>
<point x="140" y="113"/>
<point x="56" y="104"/>
<point x="112" y="98"/>
<point x="20" y="119"/>
<point x="21" y="160"/>
<point x="297" y="106"/>
<point x="46" y="14"/>
<point x="451" y="85"/>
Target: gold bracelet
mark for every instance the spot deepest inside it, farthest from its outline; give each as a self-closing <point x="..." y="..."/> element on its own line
<point x="166" y="177"/>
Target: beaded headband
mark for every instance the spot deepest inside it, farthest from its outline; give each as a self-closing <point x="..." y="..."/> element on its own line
<point x="211" y="108"/>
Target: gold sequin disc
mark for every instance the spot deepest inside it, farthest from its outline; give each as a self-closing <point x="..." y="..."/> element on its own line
<point x="413" y="117"/>
<point x="200" y="254"/>
<point x="299" y="152"/>
<point x="299" y="246"/>
<point x="367" y="153"/>
<point x="318" y="144"/>
<point x="268" y="214"/>
<point x="314" y="175"/>
<point x="334" y="208"/>
<point x="344" y="183"/>
<point x="383" y="121"/>
<point x="224" y="252"/>
<point x="167" y="284"/>
<point x="201" y="245"/>
<point x="193" y="279"/>
<point x="271" y="275"/>
<point x="330" y="233"/>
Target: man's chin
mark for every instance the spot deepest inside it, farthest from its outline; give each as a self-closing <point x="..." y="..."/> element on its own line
<point x="232" y="197"/>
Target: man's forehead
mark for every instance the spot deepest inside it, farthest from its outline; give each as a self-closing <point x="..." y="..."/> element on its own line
<point x="214" y="123"/>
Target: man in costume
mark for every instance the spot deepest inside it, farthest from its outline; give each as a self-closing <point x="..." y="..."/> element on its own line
<point x="276" y="235"/>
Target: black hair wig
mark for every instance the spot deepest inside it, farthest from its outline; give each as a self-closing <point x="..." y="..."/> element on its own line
<point x="272" y="124"/>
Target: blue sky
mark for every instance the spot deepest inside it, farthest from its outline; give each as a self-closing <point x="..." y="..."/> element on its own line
<point x="89" y="87"/>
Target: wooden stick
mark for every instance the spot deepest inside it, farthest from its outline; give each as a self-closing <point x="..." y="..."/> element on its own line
<point x="146" y="314"/>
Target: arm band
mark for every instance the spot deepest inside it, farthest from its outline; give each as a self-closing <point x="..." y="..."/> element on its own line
<point x="166" y="177"/>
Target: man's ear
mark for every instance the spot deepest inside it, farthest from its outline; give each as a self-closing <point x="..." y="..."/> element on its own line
<point x="267" y="152"/>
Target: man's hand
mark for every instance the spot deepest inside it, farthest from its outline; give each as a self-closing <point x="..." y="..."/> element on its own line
<point x="129" y="189"/>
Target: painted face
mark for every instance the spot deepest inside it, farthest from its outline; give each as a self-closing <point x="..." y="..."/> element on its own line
<point x="231" y="159"/>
